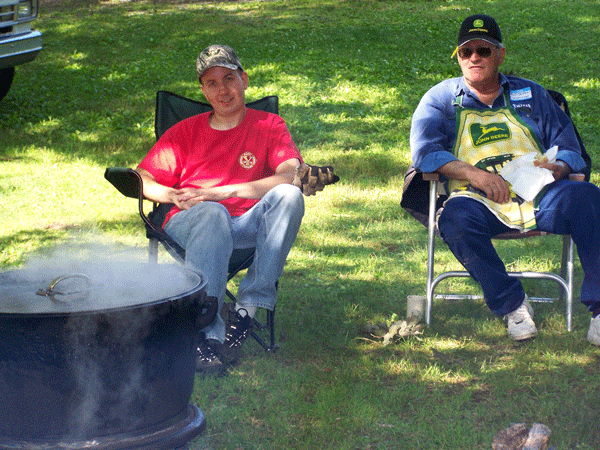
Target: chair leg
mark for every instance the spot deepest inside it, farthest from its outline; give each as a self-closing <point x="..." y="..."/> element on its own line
<point x="271" y="346"/>
<point x="564" y="263"/>
<point x="430" y="249"/>
<point x="230" y="295"/>
<point x="566" y="272"/>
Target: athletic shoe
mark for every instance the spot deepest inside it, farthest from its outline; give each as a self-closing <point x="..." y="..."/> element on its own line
<point x="239" y="325"/>
<point x="520" y="322"/>
<point x="593" y="335"/>
<point x="207" y="357"/>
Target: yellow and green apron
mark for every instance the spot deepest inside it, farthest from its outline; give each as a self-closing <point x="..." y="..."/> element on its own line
<point x="488" y="139"/>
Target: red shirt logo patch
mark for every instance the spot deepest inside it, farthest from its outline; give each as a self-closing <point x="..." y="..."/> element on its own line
<point x="247" y="160"/>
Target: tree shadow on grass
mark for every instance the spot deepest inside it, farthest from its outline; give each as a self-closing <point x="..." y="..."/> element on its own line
<point x="96" y="80"/>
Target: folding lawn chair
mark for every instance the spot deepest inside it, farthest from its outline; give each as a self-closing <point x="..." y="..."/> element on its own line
<point x="425" y="208"/>
<point x="170" y="109"/>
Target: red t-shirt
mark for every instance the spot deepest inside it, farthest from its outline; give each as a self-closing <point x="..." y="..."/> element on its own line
<point x="192" y="154"/>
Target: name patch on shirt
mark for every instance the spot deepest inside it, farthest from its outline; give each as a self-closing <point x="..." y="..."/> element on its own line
<point x="520" y="94"/>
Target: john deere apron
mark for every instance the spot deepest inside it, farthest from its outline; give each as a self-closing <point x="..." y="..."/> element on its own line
<point x="488" y="139"/>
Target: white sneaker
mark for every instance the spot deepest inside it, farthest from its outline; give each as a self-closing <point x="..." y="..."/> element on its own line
<point x="521" y="325"/>
<point x="593" y="335"/>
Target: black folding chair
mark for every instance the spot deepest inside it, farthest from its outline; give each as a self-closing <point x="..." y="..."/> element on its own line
<point x="422" y="199"/>
<point x="170" y="109"/>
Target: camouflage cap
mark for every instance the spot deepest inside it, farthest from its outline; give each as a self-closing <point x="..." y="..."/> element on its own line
<point x="217" y="55"/>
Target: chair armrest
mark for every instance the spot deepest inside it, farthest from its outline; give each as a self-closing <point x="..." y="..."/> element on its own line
<point x="434" y="176"/>
<point x="577" y="177"/>
<point x="127" y="181"/>
<point x="431" y="176"/>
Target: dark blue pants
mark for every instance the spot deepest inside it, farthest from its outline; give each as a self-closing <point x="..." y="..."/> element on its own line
<point x="568" y="207"/>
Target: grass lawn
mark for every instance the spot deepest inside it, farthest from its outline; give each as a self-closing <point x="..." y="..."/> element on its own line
<point x="348" y="74"/>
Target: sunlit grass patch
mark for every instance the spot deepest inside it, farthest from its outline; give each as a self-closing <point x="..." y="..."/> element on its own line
<point x="348" y="75"/>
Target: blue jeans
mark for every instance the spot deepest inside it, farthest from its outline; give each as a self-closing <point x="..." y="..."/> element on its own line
<point x="209" y="235"/>
<point x="568" y="207"/>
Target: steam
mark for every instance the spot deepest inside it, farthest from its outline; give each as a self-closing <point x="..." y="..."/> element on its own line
<point x="108" y="374"/>
<point x="94" y="277"/>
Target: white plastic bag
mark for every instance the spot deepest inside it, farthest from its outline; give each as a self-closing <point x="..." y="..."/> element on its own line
<point x="526" y="179"/>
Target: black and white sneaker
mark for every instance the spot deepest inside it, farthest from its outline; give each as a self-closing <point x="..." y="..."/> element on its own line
<point x="239" y="325"/>
<point x="207" y="357"/>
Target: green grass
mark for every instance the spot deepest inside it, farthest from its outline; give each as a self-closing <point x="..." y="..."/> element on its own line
<point x="348" y="74"/>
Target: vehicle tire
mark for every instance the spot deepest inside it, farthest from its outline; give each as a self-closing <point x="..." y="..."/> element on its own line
<point x="6" y="77"/>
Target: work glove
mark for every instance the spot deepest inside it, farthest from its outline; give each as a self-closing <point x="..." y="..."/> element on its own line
<point x="311" y="179"/>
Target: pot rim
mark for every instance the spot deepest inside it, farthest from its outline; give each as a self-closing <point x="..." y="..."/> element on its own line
<point x="199" y="286"/>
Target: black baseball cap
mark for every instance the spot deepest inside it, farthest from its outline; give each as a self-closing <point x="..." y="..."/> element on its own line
<point x="479" y="26"/>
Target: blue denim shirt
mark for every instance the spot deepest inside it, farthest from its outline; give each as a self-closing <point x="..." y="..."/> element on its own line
<point x="433" y="128"/>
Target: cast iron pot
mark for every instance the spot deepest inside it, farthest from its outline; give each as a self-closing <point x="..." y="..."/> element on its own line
<point x="101" y="356"/>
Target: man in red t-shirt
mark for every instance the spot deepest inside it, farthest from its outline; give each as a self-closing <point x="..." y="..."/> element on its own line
<point x="229" y="174"/>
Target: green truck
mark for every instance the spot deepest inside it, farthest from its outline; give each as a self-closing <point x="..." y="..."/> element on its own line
<point x="19" y="44"/>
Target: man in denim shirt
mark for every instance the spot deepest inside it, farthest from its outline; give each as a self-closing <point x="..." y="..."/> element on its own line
<point x="466" y="129"/>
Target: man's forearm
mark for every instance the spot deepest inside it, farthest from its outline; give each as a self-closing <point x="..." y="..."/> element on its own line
<point x="258" y="188"/>
<point x="493" y="185"/>
<point x="459" y="170"/>
<point x="154" y="191"/>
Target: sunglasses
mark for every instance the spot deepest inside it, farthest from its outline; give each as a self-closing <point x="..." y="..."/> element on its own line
<point x="466" y="52"/>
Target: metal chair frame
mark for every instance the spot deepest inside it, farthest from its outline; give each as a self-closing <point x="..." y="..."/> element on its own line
<point x="564" y="280"/>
